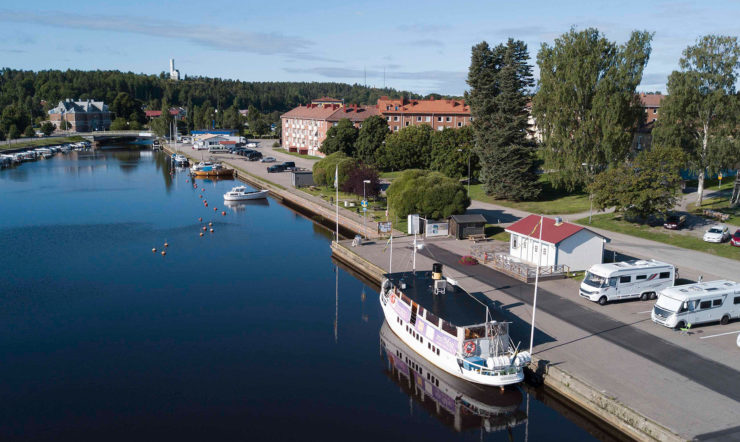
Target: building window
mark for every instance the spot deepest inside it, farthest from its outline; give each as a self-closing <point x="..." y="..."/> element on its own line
<point x="459" y="124"/>
<point x="471" y="118"/>
<point x="395" y="128"/>
<point x="514" y="242"/>
<point x="388" y="118"/>
<point x="395" y="118"/>
<point x="428" y="119"/>
<point x="418" y="119"/>
<point x="407" y="123"/>
<point x="440" y="128"/>
<point x="449" y="119"/>
<point x="439" y="119"/>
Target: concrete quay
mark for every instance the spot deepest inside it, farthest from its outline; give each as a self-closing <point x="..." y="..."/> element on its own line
<point x="255" y="174"/>
<point x="648" y="381"/>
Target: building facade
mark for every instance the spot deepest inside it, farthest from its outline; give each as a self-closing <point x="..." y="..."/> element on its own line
<point x="81" y="116"/>
<point x="440" y="114"/>
<point x="651" y="104"/>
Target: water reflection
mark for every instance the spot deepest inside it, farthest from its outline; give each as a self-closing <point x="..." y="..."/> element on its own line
<point x="241" y="206"/>
<point x="461" y="405"/>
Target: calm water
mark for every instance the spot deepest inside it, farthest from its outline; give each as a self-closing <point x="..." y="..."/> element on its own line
<point x="231" y="335"/>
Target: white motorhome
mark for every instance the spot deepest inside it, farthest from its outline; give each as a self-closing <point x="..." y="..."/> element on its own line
<point x="697" y="303"/>
<point x="627" y="279"/>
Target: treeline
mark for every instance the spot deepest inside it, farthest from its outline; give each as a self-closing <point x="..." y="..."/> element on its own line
<point x="23" y="92"/>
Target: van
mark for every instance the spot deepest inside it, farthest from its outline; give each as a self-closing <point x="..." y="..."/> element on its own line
<point x="697" y="304"/>
<point x="627" y="279"/>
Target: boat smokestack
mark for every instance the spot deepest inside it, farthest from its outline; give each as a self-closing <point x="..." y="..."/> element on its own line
<point x="436" y="271"/>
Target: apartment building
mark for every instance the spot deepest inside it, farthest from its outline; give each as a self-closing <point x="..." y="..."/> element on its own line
<point x="82" y="116"/>
<point x="651" y="104"/>
<point x="403" y="112"/>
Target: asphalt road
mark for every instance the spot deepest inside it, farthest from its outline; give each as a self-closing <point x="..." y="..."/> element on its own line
<point x="710" y="374"/>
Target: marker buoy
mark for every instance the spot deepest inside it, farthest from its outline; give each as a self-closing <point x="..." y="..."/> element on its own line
<point x="166" y="244"/>
<point x="201" y="196"/>
<point x="201" y="233"/>
<point x="200" y="219"/>
<point x="215" y="209"/>
<point x="154" y="250"/>
<point x="223" y="213"/>
<point x="206" y="204"/>
<point x="204" y="227"/>
<point x="202" y="189"/>
<point x="210" y="224"/>
<point x="163" y="253"/>
<point x="211" y="230"/>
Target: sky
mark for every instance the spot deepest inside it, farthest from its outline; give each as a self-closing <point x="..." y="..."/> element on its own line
<point x="421" y="46"/>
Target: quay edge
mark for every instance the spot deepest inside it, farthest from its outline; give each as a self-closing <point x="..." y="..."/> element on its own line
<point x="580" y="393"/>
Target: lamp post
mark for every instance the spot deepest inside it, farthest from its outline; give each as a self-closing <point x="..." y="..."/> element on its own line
<point x="469" y="154"/>
<point x="364" y="207"/>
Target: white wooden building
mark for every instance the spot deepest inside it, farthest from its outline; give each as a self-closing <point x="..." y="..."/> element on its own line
<point x="562" y="243"/>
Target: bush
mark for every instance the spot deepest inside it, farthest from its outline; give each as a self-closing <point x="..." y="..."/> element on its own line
<point x="323" y="170"/>
<point x="430" y="194"/>
<point x="468" y="260"/>
<point x="275" y="144"/>
<point x="356" y="181"/>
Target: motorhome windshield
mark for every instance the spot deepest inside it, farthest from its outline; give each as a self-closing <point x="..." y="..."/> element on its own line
<point x="594" y="280"/>
<point x="670" y="304"/>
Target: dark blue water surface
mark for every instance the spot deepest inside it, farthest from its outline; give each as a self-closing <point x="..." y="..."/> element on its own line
<point x="229" y="336"/>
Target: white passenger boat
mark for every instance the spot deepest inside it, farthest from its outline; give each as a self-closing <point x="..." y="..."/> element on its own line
<point x="180" y="160"/>
<point x="240" y="193"/>
<point x="463" y="405"/>
<point x="423" y="309"/>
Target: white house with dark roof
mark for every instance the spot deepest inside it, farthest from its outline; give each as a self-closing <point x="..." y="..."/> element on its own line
<point x="562" y="243"/>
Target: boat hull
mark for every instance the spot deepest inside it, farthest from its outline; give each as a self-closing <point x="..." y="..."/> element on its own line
<point x="445" y="361"/>
<point x="260" y="194"/>
<point x="220" y="172"/>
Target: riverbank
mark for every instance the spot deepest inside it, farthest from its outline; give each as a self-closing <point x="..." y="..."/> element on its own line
<point x="614" y="362"/>
<point x="39" y="142"/>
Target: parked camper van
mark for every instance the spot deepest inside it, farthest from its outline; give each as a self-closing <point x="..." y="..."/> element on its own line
<point x="697" y="303"/>
<point x="627" y="279"/>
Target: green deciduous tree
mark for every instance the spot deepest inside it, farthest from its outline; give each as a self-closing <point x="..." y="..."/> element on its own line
<point x="647" y="186"/>
<point x="323" y="170"/>
<point x="701" y="112"/>
<point x="47" y="128"/>
<point x="13" y="132"/>
<point x="430" y="194"/>
<point x="586" y="107"/>
<point x="119" y="124"/>
<point x="340" y="138"/>
<point x="499" y="80"/>
<point x="355" y="181"/>
<point x="370" y="138"/>
<point x="409" y="148"/>
<point x="451" y="151"/>
<point x="29" y="132"/>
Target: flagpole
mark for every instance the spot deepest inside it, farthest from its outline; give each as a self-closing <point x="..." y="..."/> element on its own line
<point x="536" y="281"/>
<point x="336" y="200"/>
<point x="390" y="263"/>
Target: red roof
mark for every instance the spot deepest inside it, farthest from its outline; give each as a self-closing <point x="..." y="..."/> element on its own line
<point x="651" y="100"/>
<point x="404" y="105"/>
<point x="552" y="234"/>
<point x="354" y="113"/>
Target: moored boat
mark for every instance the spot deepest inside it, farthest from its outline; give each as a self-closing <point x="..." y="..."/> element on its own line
<point x="180" y="160"/>
<point x="208" y="168"/>
<point x="240" y="193"/>
<point x="423" y="309"/>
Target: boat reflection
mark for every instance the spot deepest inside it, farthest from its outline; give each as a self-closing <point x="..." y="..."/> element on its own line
<point x="457" y="403"/>
<point x="241" y="206"/>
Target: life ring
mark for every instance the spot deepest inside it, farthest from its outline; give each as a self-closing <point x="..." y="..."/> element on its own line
<point x="469" y="347"/>
<point x="393" y="298"/>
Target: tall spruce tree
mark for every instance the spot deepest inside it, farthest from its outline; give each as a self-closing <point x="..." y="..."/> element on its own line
<point x="586" y="107"/>
<point x="499" y="79"/>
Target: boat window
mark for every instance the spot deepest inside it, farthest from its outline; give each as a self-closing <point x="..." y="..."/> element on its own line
<point x="431" y="317"/>
<point x="705" y="304"/>
<point x="449" y="328"/>
<point x="716" y="302"/>
<point x="421" y="311"/>
<point x="437" y="352"/>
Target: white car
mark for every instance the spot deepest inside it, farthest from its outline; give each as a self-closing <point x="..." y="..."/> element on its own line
<point x="268" y="160"/>
<point x="718" y="233"/>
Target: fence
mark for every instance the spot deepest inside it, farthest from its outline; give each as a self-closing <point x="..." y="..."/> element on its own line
<point x="522" y="271"/>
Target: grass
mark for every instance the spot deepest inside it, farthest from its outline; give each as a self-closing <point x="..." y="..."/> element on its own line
<point x="494" y="231"/>
<point x="390" y="176"/>
<point x="295" y="154"/>
<point x="550" y="201"/>
<point x="611" y="222"/>
<point x="719" y="204"/>
<point x="40" y="142"/>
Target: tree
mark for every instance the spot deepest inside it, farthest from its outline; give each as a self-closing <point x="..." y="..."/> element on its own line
<point x="13" y="132"/>
<point x="47" y="128"/>
<point x="371" y="136"/>
<point x="355" y="182"/>
<point x="586" y="107"/>
<point x="499" y="80"/>
<point x="324" y="169"/>
<point x="430" y="194"/>
<point x="29" y="132"/>
<point x="340" y="138"/>
<point x="119" y="124"/>
<point x="700" y="113"/>
<point x="64" y="125"/>
<point x="408" y="148"/>
<point x="645" y="187"/>
<point x="452" y="152"/>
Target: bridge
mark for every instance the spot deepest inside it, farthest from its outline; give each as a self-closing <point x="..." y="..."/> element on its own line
<point x="115" y="136"/>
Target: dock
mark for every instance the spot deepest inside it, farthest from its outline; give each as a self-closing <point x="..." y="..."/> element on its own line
<point x="647" y="381"/>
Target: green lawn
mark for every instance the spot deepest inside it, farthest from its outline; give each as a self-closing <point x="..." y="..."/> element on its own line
<point x="494" y="231"/>
<point x="610" y="222"/>
<point x="39" y="142"/>
<point x="390" y="176"/>
<point x="549" y="202"/>
<point x="308" y="157"/>
<point x="720" y="204"/>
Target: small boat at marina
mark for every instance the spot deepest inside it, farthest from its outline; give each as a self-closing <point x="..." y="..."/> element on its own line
<point x="180" y="160"/>
<point x="423" y="309"/>
<point x="208" y="168"/>
<point x="240" y="193"/>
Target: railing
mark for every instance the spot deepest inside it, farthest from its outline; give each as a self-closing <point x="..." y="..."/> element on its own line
<point x="522" y="270"/>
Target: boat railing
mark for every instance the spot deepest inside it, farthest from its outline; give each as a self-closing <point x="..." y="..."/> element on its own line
<point x="485" y="370"/>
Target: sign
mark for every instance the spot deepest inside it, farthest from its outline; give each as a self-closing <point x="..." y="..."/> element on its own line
<point x="385" y="227"/>
<point x="364" y="204"/>
<point x="413" y="224"/>
<point x="436" y="229"/>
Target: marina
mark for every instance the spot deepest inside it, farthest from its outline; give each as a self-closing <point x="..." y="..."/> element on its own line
<point x="144" y="344"/>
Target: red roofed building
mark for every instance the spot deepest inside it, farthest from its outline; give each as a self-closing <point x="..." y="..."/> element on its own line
<point x="176" y="112"/>
<point x="651" y="104"/>
<point x="562" y="243"/>
<point x="403" y="112"/>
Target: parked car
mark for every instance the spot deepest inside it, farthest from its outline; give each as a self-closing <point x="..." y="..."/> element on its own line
<point x="246" y="152"/>
<point x="268" y="160"/>
<point x="735" y="240"/>
<point x="276" y="168"/>
<point x="289" y="165"/>
<point x="717" y="233"/>
<point x="254" y="156"/>
<point x="674" y="222"/>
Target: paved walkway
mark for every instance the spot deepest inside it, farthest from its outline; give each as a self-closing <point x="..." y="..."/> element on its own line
<point x="691" y="263"/>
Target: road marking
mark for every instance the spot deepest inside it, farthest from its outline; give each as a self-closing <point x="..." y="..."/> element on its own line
<point x="721" y="334"/>
<point x="646" y="311"/>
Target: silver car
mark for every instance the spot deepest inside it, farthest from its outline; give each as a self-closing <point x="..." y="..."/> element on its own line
<point x="268" y="160"/>
<point x="718" y="233"/>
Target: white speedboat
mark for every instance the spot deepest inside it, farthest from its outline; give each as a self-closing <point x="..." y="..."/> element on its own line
<point x="180" y="160"/>
<point x="240" y="193"/>
<point x="423" y="309"/>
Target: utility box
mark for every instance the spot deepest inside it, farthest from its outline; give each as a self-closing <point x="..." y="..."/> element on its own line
<point x="302" y="178"/>
<point x="413" y="225"/>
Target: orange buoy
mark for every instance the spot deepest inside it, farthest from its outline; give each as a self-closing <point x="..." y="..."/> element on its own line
<point x="201" y="233"/>
<point x="200" y="219"/>
<point x="163" y="253"/>
<point x="204" y="227"/>
<point x="202" y="189"/>
<point x="206" y="204"/>
<point x="210" y="224"/>
<point x="166" y="244"/>
<point x="154" y="250"/>
<point x="223" y="213"/>
<point x="200" y="196"/>
<point x="211" y="230"/>
<point x="215" y="209"/>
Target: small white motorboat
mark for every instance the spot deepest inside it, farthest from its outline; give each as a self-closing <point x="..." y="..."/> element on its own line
<point x="180" y="160"/>
<point x="240" y="193"/>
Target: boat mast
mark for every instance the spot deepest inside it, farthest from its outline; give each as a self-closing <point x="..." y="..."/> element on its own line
<point x="536" y="281"/>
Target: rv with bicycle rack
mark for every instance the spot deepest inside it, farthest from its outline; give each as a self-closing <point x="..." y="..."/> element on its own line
<point x="628" y="279"/>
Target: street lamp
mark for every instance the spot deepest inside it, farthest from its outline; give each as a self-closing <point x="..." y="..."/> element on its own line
<point x="469" y="154"/>
<point x="364" y="207"/>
